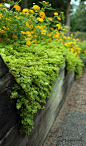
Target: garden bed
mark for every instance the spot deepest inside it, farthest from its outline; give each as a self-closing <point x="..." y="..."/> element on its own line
<point x="34" y="49"/>
<point x="43" y="120"/>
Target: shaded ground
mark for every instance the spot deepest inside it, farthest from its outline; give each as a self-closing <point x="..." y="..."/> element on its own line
<point x="69" y="128"/>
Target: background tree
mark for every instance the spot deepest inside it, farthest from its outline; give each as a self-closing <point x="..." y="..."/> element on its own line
<point x="26" y="3"/>
<point x="78" y="19"/>
<point x="68" y="13"/>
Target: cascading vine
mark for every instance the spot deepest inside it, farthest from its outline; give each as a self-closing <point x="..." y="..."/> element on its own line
<point x="35" y="68"/>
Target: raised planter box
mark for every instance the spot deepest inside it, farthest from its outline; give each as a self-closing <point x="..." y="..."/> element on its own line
<point x="43" y="120"/>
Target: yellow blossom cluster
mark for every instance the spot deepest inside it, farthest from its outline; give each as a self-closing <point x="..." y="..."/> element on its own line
<point x="59" y="18"/>
<point x="25" y="10"/>
<point x="36" y="7"/>
<point x="58" y="25"/>
<point x="32" y="25"/>
<point x="55" y="13"/>
<point x="42" y="14"/>
<point x="17" y="8"/>
<point x="40" y="19"/>
<point x="6" y="28"/>
<point x="50" y="19"/>
<point x="73" y="46"/>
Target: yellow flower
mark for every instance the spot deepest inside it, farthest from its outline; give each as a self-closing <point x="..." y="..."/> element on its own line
<point x="40" y="19"/>
<point x="28" y="33"/>
<point x="36" y="7"/>
<point x="64" y="37"/>
<point x="68" y="38"/>
<point x="28" y="43"/>
<point x="34" y="41"/>
<point x="56" y="35"/>
<point x="63" y="29"/>
<point x="56" y="14"/>
<point x="31" y="26"/>
<point x="61" y="41"/>
<point x="76" y="53"/>
<point x="72" y="49"/>
<point x="43" y="32"/>
<point x="22" y="32"/>
<point x="59" y="18"/>
<point x="62" y="33"/>
<point x="71" y="34"/>
<point x="50" y="19"/>
<point x="36" y="36"/>
<point x="85" y="52"/>
<point x="14" y="35"/>
<point x="17" y="8"/>
<point x="27" y="24"/>
<point x="1" y="5"/>
<point x="79" y="51"/>
<point x="58" y="25"/>
<point x="6" y="28"/>
<point x="31" y="11"/>
<point x="32" y="32"/>
<point x="1" y="31"/>
<point x="9" y="19"/>
<point x="29" y="19"/>
<point x="31" y="37"/>
<point x="49" y="35"/>
<point x="42" y="14"/>
<point x="1" y="15"/>
<point x="25" y="10"/>
<point x="25" y="38"/>
<point x="5" y="9"/>
<point x="44" y="2"/>
<point x="16" y="17"/>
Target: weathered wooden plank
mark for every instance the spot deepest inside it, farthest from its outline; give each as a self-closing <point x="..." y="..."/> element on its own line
<point x="9" y="120"/>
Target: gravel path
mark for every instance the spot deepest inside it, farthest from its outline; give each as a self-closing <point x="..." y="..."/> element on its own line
<point x="69" y="128"/>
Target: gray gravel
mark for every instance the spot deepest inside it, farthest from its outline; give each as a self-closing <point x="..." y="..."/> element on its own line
<point x="72" y="132"/>
<point x="69" y="128"/>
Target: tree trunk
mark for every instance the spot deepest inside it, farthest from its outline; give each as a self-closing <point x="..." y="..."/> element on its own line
<point x="26" y="3"/>
<point x="68" y="16"/>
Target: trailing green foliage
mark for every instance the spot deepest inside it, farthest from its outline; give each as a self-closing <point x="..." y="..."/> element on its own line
<point x="78" y="21"/>
<point x="35" y="69"/>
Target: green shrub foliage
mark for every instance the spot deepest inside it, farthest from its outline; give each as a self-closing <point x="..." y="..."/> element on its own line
<point x="35" y="69"/>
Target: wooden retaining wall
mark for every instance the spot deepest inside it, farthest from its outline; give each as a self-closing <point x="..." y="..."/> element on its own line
<point x="9" y="120"/>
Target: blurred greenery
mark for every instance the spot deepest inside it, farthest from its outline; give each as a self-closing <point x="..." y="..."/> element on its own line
<point x="80" y="35"/>
<point x="78" y="19"/>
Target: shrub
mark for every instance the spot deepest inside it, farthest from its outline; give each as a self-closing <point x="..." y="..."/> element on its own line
<point x="32" y="26"/>
<point x="35" y="68"/>
<point x="34" y="46"/>
<point x="83" y="48"/>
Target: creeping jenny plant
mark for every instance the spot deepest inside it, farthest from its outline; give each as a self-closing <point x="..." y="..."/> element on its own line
<point x="35" y="68"/>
